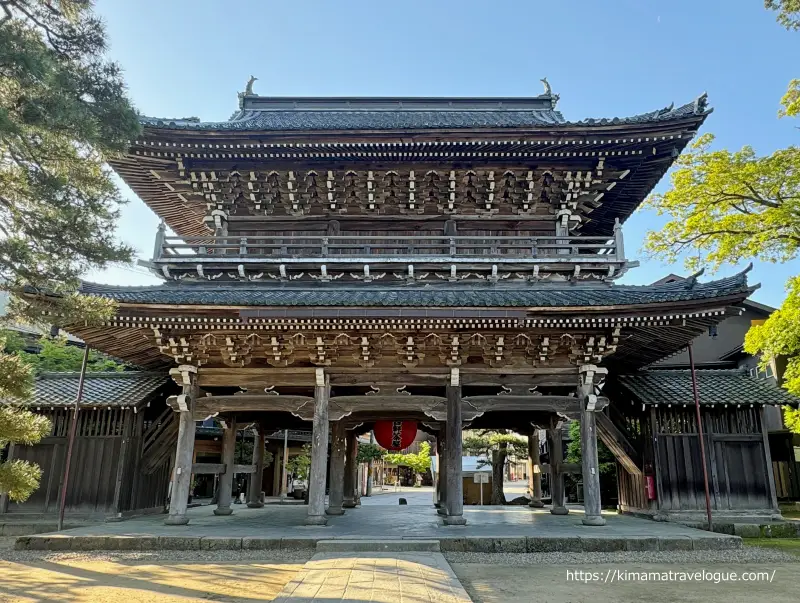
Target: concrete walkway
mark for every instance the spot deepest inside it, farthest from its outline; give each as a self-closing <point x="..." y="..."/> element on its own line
<point x="375" y="578"/>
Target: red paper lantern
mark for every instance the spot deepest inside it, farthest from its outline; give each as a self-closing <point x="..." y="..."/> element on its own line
<point x="395" y="435"/>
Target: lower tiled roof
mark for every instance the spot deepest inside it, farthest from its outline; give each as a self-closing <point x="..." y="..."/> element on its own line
<point x="546" y="295"/>
<point x="714" y="387"/>
<point x="99" y="389"/>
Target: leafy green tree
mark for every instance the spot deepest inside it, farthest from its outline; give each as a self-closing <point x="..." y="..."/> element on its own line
<point x="55" y="355"/>
<point x="496" y="447"/>
<point x="63" y="113"/>
<point x="369" y="452"/>
<point x="726" y="207"/>
<point x="418" y="462"/>
<point x="788" y="12"/>
<point x="299" y="465"/>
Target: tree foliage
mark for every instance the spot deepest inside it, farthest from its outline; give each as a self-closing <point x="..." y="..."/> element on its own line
<point x="495" y="447"/>
<point x="55" y="355"/>
<point x="19" y="426"/>
<point x="777" y="336"/>
<point x="788" y="12"/>
<point x="726" y="207"/>
<point x="418" y="462"/>
<point x="369" y="452"/>
<point x="63" y="113"/>
<point x="299" y="465"/>
<point x="607" y="462"/>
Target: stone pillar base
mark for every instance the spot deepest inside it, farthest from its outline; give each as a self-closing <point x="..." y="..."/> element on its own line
<point x="455" y="520"/>
<point x="255" y="505"/>
<point x="176" y="520"/>
<point x="349" y="504"/>
<point x="334" y="511"/>
<point x="559" y="511"/>
<point x="594" y="520"/>
<point x="316" y="520"/>
<point x="442" y="510"/>
<point x="536" y="504"/>
<point x="223" y="511"/>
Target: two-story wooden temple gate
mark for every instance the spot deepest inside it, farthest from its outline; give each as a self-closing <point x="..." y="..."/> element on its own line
<point x="445" y="261"/>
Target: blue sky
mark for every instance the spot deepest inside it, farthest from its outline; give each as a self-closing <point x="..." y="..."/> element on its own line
<point x="613" y="57"/>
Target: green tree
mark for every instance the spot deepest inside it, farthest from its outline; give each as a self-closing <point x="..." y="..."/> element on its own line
<point x="369" y="452"/>
<point x="788" y="12"/>
<point x="725" y="207"/>
<point x="55" y="355"/>
<point x="300" y="464"/>
<point x="63" y="113"/>
<point x="496" y="447"/>
<point x="418" y="462"/>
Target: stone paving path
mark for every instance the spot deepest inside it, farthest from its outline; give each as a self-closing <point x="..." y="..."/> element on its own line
<point x="375" y="578"/>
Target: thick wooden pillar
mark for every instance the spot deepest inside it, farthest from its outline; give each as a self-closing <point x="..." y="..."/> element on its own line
<point x="338" y="453"/>
<point x="438" y="499"/>
<point x="443" y="471"/>
<point x="350" y="471"/>
<point x="534" y="470"/>
<point x="591" y="471"/>
<point x="556" y="475"/>
<point x="186" y="376"/>
<point x="225" y="496"/>
<point x="589" y="463"/>
<point x="256" y="479"/>
<point x="455" y="484"/>
<point x="319" y="452"/>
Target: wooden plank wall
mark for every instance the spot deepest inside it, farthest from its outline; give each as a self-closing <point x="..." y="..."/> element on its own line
<point x="95" y="464"/>
<point x="738" y="476"/>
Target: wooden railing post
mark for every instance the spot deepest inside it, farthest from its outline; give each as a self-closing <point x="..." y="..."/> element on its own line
<point x="161" y="235"/>
<point x="618" y="242"/>
<point x="452" y="246"/>
<point x="324" y="247"/>
<point x="243" y="246"/>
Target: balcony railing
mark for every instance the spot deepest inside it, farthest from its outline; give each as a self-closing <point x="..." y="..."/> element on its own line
<point x="400" y="257"/>
<point x="390" y="249"/>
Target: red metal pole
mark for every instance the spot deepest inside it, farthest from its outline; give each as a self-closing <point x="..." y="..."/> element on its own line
<point x="72" y="430"/>
<point x="702" y="441"/>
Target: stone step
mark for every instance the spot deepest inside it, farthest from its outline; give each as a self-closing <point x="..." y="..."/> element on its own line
<point x="373" y="546"/>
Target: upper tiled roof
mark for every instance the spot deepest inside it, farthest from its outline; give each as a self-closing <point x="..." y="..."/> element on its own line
<point x="714" y="387"/>
<point x="269" y="294"/>
<point x="99" y="389"/>
<point x="298" y="114"/>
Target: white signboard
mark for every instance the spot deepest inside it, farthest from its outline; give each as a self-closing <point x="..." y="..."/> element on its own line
<point x="480" y="478"/>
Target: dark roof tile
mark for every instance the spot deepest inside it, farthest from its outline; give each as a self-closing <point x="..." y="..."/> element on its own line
<point x="100" y="389"/>
<point x="714" y="387"/>
<point x="268" y="294"/>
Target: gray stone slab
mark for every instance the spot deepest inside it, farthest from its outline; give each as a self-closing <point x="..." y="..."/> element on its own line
<point x="675" y="543"/>
<point x="641" y="543"/>
<point x="716" y="544"/>
<point x="214" y="543"/>
<point x="179" y="543"/>
<point x="567" y="544"/>
<point x="601" y="544"/>
<point x="261" y="544"/>
<point x="368" y="545"/>
<point x="489" y="529"/>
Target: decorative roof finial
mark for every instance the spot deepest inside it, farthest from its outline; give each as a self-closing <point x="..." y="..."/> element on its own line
<point x="248" y="91"/>
<point x="548" y="91"/>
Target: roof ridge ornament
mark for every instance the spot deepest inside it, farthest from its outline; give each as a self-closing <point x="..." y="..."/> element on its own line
<point x="692" y="280"/>
<point x="548" y="91"/>
<point x="248" y="91"/>
<point x="701" y="103"/>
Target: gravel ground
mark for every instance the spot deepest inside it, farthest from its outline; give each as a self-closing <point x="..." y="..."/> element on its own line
<point x="744" y="555"/>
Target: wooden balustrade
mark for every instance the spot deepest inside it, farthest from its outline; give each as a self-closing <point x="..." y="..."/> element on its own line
<point x="419" y="247"/>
